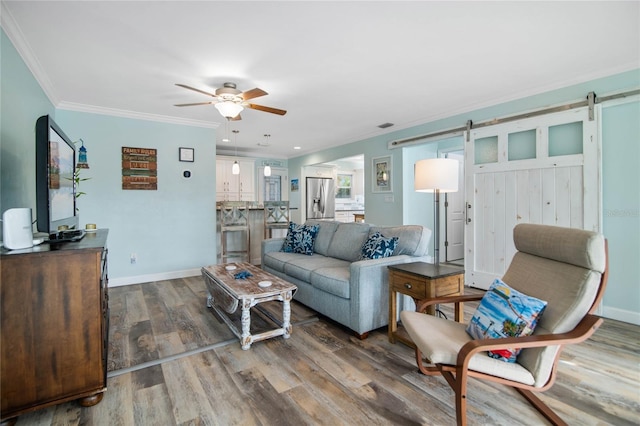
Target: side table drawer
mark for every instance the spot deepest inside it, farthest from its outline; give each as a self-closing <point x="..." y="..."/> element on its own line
<point x="409" y="285"/>
<point x="449" y="286"/>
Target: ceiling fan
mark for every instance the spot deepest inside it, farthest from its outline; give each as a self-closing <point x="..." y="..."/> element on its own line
<point x="230" y="101"/>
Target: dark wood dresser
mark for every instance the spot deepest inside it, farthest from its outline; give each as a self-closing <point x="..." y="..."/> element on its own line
<point x="54" y="323"/>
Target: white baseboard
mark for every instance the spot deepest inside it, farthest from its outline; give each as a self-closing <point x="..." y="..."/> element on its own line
<point x="138" y="279"/>
<point x="621" y="315"/>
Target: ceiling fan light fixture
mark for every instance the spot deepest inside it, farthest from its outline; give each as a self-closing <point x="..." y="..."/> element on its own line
<point x="229" y="109"/>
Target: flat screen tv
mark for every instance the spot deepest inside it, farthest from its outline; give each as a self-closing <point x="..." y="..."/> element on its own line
<point x="55" y="186"/>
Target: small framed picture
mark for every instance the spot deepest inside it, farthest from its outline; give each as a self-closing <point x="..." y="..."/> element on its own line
<point x="186" y="154"/>
<point x="381" y="174"/>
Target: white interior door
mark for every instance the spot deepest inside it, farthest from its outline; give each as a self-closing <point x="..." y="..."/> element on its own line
<point x="454" y="212"/>
<point x="543" y="169"/>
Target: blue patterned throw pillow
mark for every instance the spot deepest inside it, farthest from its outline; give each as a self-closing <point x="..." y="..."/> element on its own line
<point x="505" y="312"/>
<point x="300" y="239"/>
<point x="378" y="246"/>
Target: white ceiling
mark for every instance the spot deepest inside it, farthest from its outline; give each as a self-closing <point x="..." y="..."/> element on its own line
<point x="339" y="68"/>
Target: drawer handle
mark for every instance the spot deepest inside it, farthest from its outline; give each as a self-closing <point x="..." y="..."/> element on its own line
<point x="408" y="286"/>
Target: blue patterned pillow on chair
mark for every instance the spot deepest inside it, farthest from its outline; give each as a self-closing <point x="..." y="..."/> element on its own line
<point x="505" y="312"/>
<point x="378" y="246"/>
<point x="300" y="239"/>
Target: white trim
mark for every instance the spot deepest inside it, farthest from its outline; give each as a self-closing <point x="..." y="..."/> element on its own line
<point x="621" y="315"/>
<point x="13" y="31"/>
<point x="71" y="106"/>
<point x="139" y="279"/>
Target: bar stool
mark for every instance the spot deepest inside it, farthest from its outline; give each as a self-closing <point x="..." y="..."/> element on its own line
<point x="234" y="217"/>
<point x="276" y="216"/>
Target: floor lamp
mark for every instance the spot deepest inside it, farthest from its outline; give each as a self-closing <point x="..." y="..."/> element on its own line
<point x="436" y="175"/>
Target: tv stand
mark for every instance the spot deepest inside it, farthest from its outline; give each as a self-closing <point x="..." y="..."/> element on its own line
<point x="55" y="324"/>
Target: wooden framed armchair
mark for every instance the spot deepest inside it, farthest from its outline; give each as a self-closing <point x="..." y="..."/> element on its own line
<point x="565" y="267"/>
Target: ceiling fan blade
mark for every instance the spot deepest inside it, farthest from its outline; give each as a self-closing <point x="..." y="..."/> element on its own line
<point x="195" y="90"/>
<point x="197" y="103"/>
<point x="267" y="109"/>
<point x="253" y="93"/>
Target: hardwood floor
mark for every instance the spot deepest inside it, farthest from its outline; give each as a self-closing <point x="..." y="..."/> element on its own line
<point x="172" y="362"/>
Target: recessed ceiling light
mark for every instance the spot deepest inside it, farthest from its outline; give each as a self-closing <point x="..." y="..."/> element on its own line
<point x="385" y="125"/>
<point x="296" y="147"/>
<point x="225" y="140"/>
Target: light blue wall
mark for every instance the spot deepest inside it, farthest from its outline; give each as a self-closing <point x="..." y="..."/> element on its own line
<point x="170" y="229"/>
<point x="380" y="209"/>
<point x="22" y="101"/>
<point x="620" y="144"/>
<point x="621" y="200"/>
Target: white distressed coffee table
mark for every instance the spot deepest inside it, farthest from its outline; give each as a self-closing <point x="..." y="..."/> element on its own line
<point x="227" y="293"/>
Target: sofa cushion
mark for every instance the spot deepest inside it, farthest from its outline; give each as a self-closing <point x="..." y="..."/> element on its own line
<point x="325" y="234"/>
<point x="301" y="267"/>
<point x="334" y="280"/>
<point x="277" y="259"/>
<point x="347" y="241"/>
<point x="300" y="239"/>
<point x="413" y="240"/>
<point x="378" y="247"/>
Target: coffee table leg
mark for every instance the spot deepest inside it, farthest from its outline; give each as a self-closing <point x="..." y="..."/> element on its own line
<point x="245" y="340"/>
<point x="286" y="315"/>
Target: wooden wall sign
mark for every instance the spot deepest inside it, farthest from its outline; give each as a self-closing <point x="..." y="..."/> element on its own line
<point x="139" y="168"/>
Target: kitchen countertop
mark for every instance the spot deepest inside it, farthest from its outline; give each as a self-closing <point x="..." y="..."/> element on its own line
<point x="253" y="206"/>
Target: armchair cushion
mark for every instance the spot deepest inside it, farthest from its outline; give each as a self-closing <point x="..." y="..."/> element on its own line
<point x="300" y="239"/>
<point x="505" y="312"/>
<point x="445" y="338"/>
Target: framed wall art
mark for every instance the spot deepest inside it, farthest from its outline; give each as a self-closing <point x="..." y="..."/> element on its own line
<point x="381" y="174"/>
<point x="139" y="168"/>
<point x="186" y="154"/>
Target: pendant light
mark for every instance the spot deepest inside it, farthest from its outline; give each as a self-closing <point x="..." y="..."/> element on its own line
<point x="267" y="167"/>
<point x="235" y="169"/>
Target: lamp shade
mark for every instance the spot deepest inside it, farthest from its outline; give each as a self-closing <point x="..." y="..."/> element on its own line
<point x="235" y="168"/>
<point x="436" y="173"/>
<point x="229" y="109"/>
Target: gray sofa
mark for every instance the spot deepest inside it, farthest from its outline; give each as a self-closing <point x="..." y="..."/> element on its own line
<point x="334" y="282"/>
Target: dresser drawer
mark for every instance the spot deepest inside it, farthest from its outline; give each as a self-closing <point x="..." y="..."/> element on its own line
<point x="410" y="285"/>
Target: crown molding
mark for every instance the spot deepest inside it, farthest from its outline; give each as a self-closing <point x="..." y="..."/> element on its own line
<point x="13" y="31"/>
<point x="71" y="106"/>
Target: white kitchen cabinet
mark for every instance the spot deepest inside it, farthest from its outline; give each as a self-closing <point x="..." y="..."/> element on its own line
<point x="230" y="187"/>
<point x="344" y="217"/>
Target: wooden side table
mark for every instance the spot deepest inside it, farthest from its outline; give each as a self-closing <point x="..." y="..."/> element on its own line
<point x="422" y="281"/>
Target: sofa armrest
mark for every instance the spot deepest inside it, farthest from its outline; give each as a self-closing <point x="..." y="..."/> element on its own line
<point x="369" y="283"/>
<point x="270" y="245"/>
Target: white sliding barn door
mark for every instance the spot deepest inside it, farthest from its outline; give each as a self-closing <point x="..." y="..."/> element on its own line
<point x="543" y="169"/>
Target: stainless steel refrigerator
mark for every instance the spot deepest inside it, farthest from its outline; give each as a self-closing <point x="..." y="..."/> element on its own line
<point x="321" y="198"/>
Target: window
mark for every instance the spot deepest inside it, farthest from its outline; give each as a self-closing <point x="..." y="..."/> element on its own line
<point x="343" y="189"/>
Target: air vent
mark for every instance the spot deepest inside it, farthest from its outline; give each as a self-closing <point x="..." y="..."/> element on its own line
<point x="385" y="125"/>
